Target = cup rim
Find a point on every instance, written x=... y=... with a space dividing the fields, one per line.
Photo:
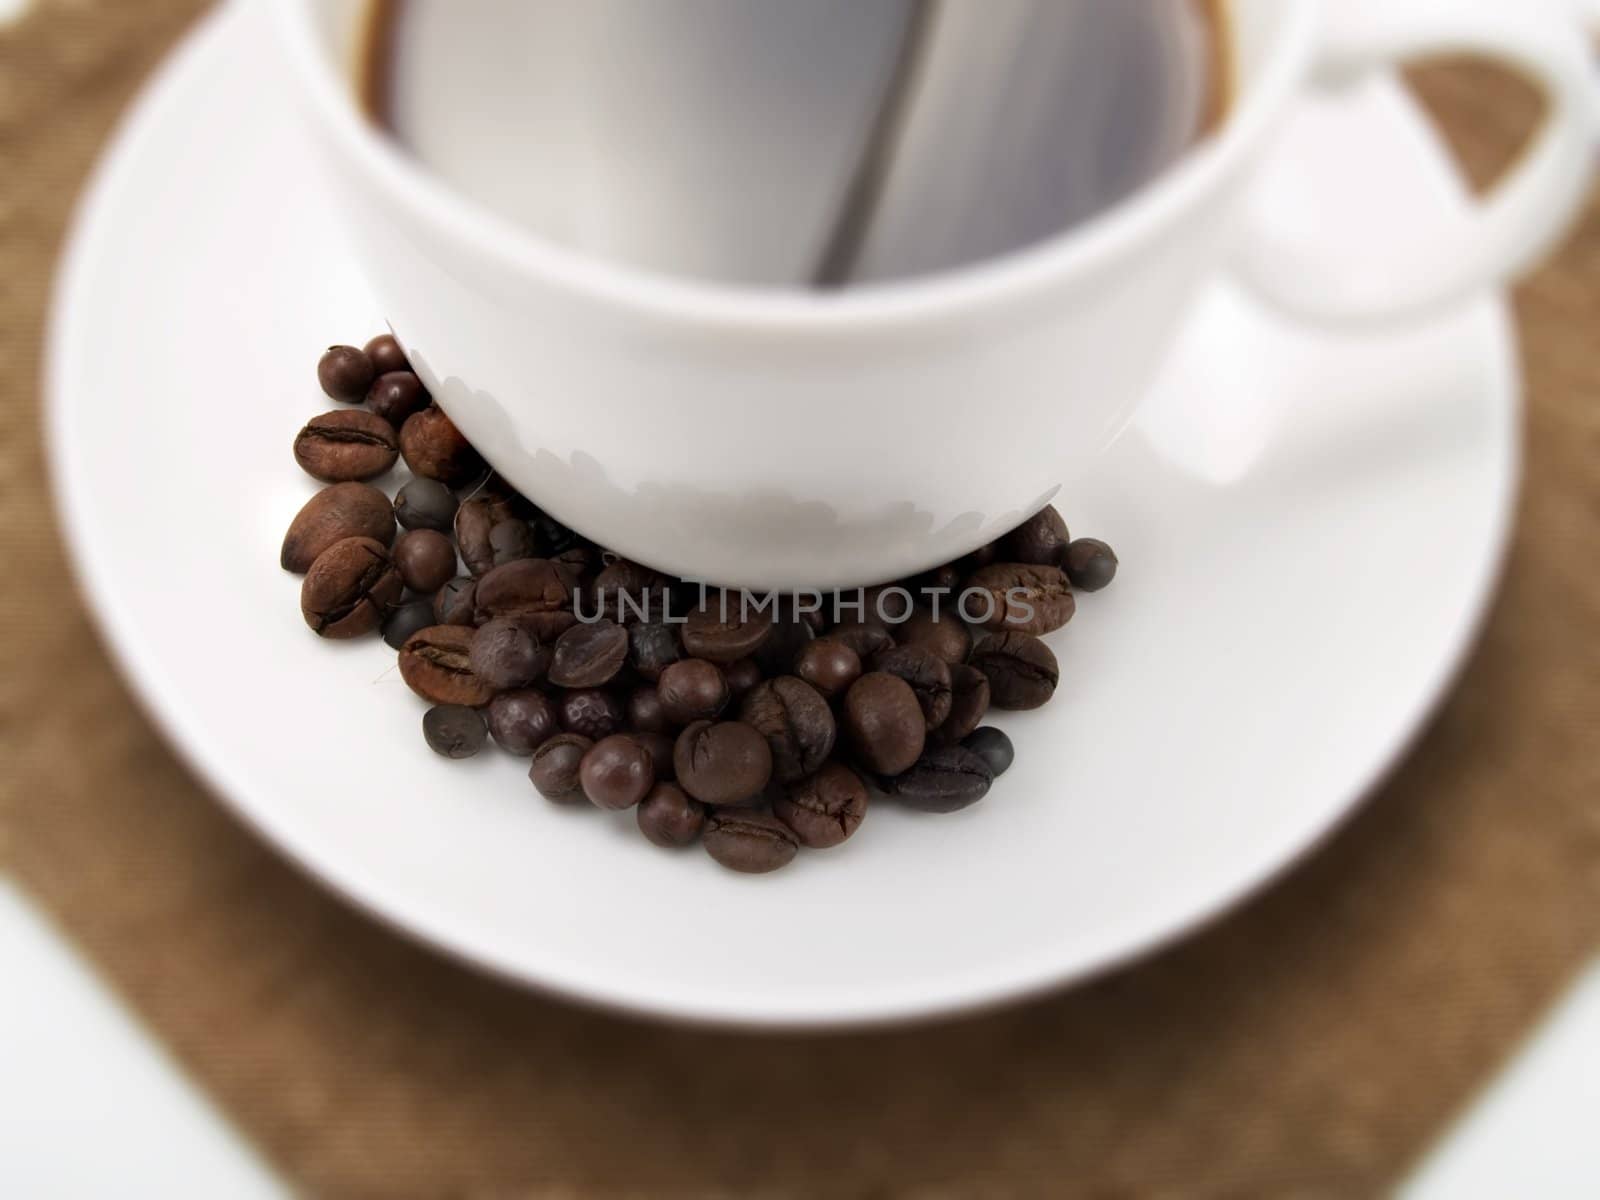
x=952 y=293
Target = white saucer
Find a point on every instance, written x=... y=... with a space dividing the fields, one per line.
x=1309 y=530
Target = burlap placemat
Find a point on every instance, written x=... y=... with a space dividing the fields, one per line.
x=1310 y=1045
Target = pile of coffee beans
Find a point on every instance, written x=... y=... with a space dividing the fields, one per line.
x=755 y=725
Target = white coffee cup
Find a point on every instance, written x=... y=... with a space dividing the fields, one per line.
x=780 y=439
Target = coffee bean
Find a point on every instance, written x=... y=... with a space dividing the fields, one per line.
x=506 y=654
x=978 y=559
x=349 y=588
x=659 y=747
x=692 y=689
x=578 y=561
x=742 y=674
x=534 y=590
x=791 y=633
x=945 y=580
x=1091 y=564
x=669 y=818
x=928 y=675
x=346 y=444
x=823 y=809
x=554 y=537
x=1022 y=671
x=456 y=602
x=511 y=540
x=628 y=593
x=888 y=604
x=523 y=720
x=1040 y=540
x=385 y=354
x=1024 y=599
x=436 y=665
x=425 y=504
x=341 y=511
x=969 y=702
x=720 y=631
x=555 y=768
x=426 y=559
x=946 y=635
x=592 y=712
x=865 y=637
x=406 y=619
x=475 y=522
x=884 y=722
x=828 y=665
x=395 y=396
x=994 y=747
x=345 y=373
x=589 y=655
x=750 y=841
x=454 y=730
x=645 y=711
x=797 y=723
x=722 y=763
x=945 y=779
x=652 y=647
x=616 y=773
x=434 y=448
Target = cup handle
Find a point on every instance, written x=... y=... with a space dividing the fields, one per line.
x=1506 y=232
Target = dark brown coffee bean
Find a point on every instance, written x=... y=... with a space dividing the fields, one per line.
x=749 y=840
x=692 y=689
x=506 y=654
x=994 y=747
x=978 y=559
x=522 y=721
x=1022 y=671
x=884 y=722
x=434 y=448
x=797 y=723
x=456 y=602
x=396 y=395
x=1091 y=564
x=669 y=818
x=534 y=590
x=723 y=763
x=454 y=730
x=349 y=588
x=511 y=540
x=589 y=655
x=865 y=637
x=824 y=809
x=828 y=665
x=555 y=767
x=1022 y=598
x=888 y=604
x=645 y=711
x=791 y=633
x=945 y=580
x=345 y=373
x=928 y=675
x=659 y=747
x=742 y=675
x=592 y=712
x=341 y=511
x=426 y=559
x=425 y=504
x=1040 y=540
x=475 y=521
x=385 y=354
x=721 y=631
x=945 y=779
x=346 y=444
x=627 y=593
x=406 y=619
x=969 y=703
x=436 y=665
x=946 y=635
x=616 y=773
x=652 y=647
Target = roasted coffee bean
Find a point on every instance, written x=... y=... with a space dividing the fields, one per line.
x=797 y=723
x=791 y=633
x=888 y=604
x=1040 y=540
x=554 y=537
x=722 y=763
x=645 y=711
x=341 y=511
x=475 y=522
x=510 y=540
x=425 y=504
x=522 y=721
x=828 y=665
x=434 y=448
x=749 y=840
x=669 y=818
x=349 y=588
x=506 y=654
x=823 y=809
x=652 y=647
x=945 y=581
x=406 y=619
x=1023 y=598
x=946 y=635
x=865 y=637
x=978 y=559
x=436 y=665
x=742 y=675
x=722 y=629
x=577 y=560
x=1091 y=564
x=555 y=767
x=385 y=354
x=345 y=373
x=945 y=779
x=1022 y=670
x=969 y=702
x=456 y=602
x=592 y=712
x=659 y=747
x=884 y=722
x=396 y=396
x=589 y=655
x=628 y=593
x=994 y=747
x=454 y=730
x=692 y=689
x=426 y=559
x=616 y=773
x=346 y=444
x=534 y=590
x=928 y=675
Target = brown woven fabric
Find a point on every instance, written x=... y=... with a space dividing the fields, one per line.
x=1311 y=1045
